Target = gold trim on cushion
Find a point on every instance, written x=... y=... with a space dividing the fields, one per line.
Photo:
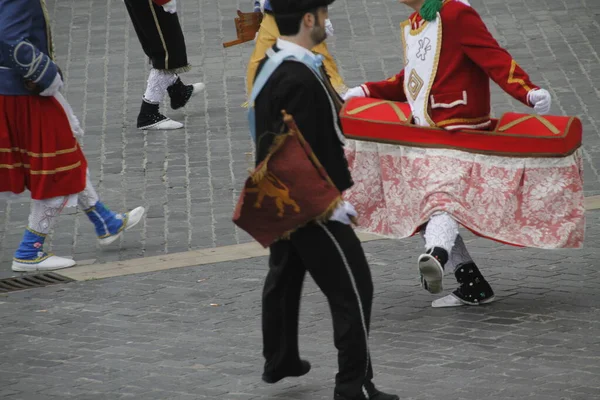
x=461 y=148
x=470 y=121
x=543 y=120
x=399 y=113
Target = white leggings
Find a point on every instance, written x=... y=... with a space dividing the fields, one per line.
x=158 y=82
x=442 y=231
x=44 y=212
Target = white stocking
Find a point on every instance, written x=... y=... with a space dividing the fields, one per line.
x=44 y=213
x=158 y=82
x=88 y=198
x=441 y=231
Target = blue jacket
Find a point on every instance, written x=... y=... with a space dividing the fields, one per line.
x=25 y=47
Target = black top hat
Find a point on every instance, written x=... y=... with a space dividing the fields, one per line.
x=290 y=7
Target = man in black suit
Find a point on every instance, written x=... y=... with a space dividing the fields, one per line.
x=331 y=252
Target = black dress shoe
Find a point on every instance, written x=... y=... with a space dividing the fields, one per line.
x=370 y=393
x=276 y=376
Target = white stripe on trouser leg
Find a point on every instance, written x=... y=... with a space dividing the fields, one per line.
x=355 y=288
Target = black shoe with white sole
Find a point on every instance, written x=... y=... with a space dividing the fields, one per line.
x=150 y=118
x=431 y=268
x=473 y=290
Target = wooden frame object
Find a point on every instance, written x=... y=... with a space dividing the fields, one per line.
x=246 y=26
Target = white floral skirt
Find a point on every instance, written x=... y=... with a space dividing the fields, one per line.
x=530 y=202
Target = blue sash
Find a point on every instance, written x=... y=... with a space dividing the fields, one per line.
x=274 y=60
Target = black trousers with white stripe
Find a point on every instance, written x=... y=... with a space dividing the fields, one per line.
x=333 y=255
x=160 y=35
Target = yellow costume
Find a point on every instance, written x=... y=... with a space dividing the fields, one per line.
x=267 y=36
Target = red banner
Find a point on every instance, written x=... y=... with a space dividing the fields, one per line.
x=288 y=190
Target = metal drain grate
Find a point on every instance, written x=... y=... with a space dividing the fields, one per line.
x=32 y=281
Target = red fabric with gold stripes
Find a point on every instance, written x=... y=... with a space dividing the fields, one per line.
x=38 y=151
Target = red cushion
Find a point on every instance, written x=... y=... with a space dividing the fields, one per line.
x=517 y=135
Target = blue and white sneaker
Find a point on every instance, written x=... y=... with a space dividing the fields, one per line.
x=31 y=257
x=110 y=225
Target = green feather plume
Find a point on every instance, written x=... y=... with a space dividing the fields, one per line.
x=430 y=8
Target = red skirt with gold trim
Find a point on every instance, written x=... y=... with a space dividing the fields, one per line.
x=38 y=151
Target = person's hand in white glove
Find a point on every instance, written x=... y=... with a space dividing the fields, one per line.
x=54 y=87
x=541 y=100
x=170 y=7
x=344 y=213
x=328 y=27
x=357 y=91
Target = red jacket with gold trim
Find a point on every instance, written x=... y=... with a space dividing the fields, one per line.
x=469 y=57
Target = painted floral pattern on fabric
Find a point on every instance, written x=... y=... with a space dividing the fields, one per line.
x=530 y=202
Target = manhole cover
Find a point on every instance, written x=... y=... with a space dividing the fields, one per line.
x=32 y=281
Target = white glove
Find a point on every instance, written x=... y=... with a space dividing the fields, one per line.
x=343 y=213
x=170 y=7
x=540 y=100
x=54 y=87
x=357 y=91
x=328 y=27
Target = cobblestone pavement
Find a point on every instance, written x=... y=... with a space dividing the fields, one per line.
x=194 y=333
x=189 y=178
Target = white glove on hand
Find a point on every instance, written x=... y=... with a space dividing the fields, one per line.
x=343 y=213
x=357 y=91
x=170 y=7
x=540 y=100
x=54 y=87
x=328 y=27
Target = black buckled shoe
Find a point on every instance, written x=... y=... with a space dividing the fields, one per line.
x=180 y=94
x=473 y=290
x=275 y=376
x=431 y=267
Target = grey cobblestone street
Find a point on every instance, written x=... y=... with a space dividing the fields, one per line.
x=189 y=178
x=194 y=332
